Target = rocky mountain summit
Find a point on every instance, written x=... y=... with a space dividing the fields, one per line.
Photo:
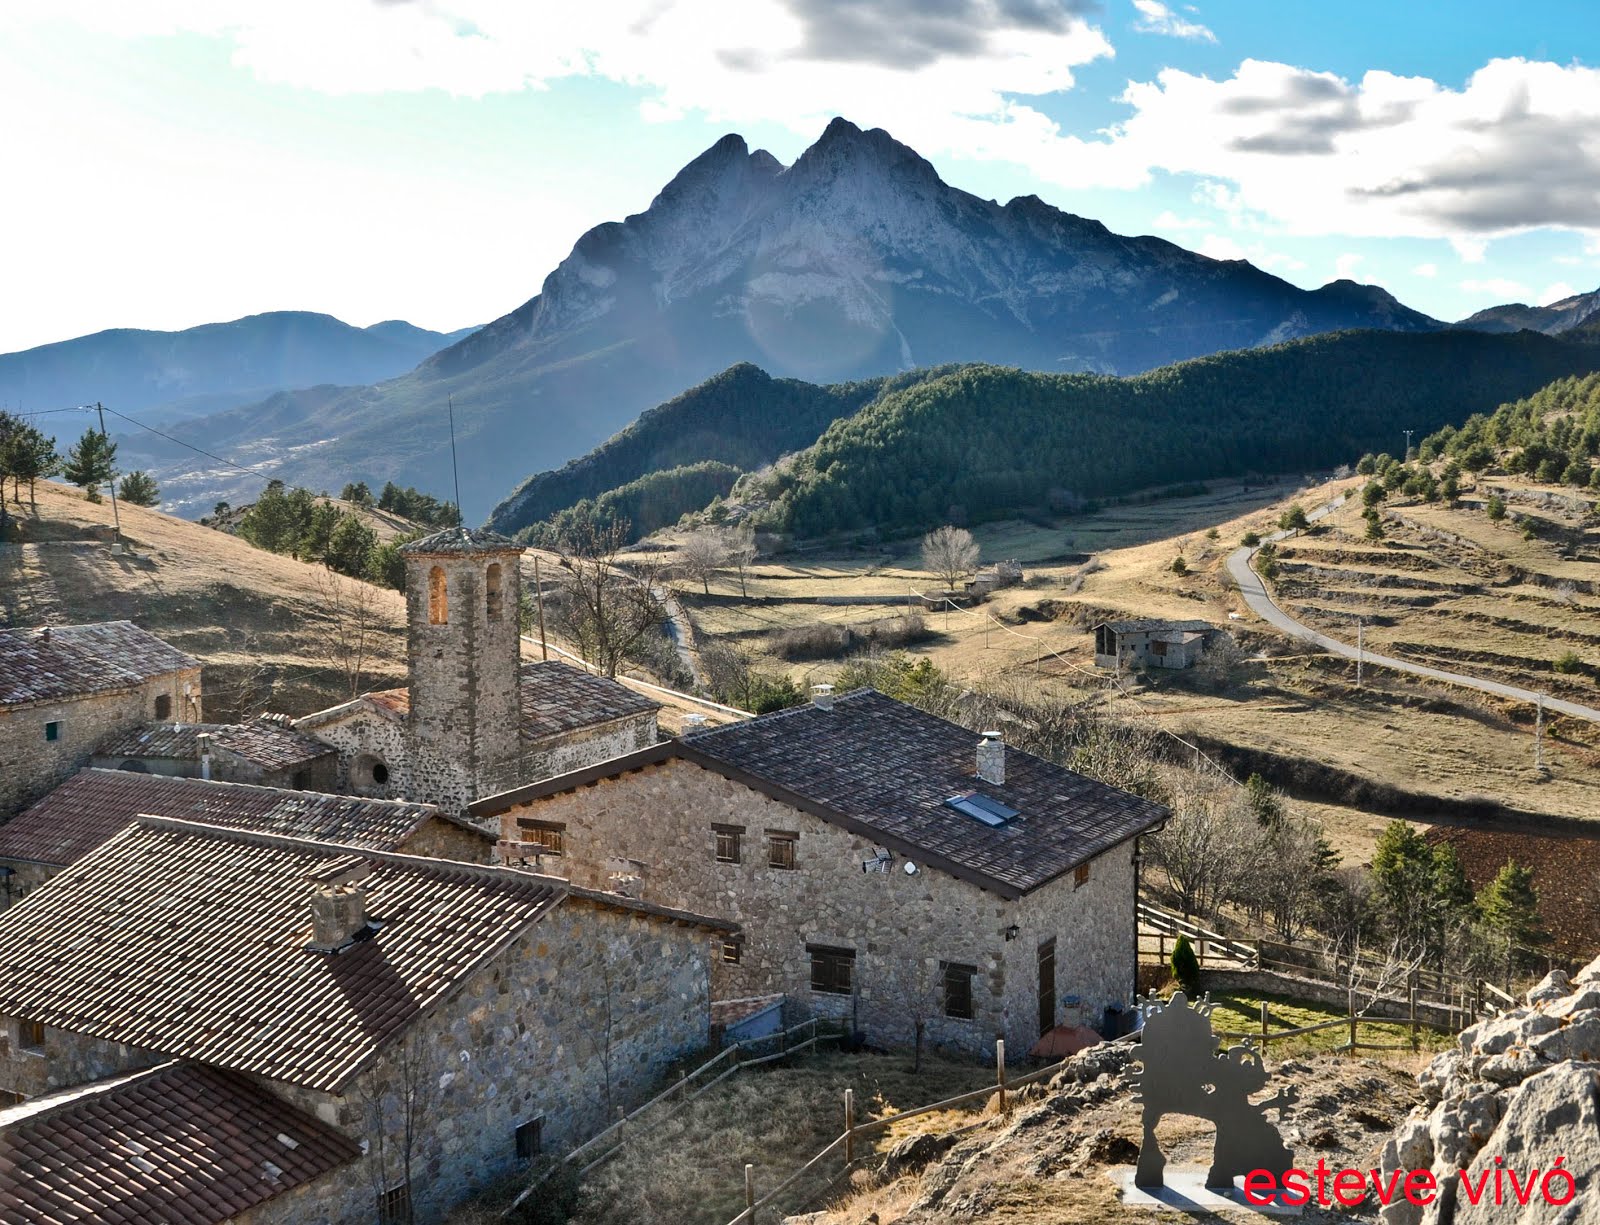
x=1521 y=1093
x=857 y=260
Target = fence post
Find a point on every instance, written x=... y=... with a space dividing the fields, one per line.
x=1352 y=1004
x=749 y=1194
x=683 y=1085
x=849 y=1127
x=1413 y=1008
x=1263 y=1025
x=1000 y=1072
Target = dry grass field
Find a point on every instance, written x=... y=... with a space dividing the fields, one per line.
x=1432 y=746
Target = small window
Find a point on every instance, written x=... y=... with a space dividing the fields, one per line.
x=729 y=840
x=394 y=1205
x=548 y=836
x=52 y=730
x=30 y=1035
x=530 y=1139
x=1080 y=876
x=163 y=706
x=438 y=597
x=380 y=773
x=732 y=951
x=780 y=849
x=833 y=971
x=958 y=990
x=491 y=587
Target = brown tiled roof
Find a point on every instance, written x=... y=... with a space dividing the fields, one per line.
x=262 y=742
x=556 y=698
x=884 y=769
x=462 y=540
x=179 y=1142
x=191 y=941
x=93 y=805
x=78 y=660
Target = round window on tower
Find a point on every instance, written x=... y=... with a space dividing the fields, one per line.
x=369 y=773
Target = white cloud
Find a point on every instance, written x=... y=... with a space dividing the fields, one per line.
x=1170 y=220
x=1220 y=246
x=1469 y=250
x=1427 y=270
x=1157 y=18
x=1500 y=288
x=1555 y=293
x=1344 y=267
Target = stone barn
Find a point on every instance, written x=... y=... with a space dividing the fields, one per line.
x=65 y=688
x=1151 y=643
x=887 y=867
x=379 y=1035
x=474 y=719
x=266 y=751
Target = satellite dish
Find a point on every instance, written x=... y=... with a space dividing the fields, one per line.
x=911 y=868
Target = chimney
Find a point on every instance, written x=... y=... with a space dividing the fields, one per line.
x=44 y=636
x=338 y=904
x=992 y=759
x=822 y=697
x=693 y=723
x=205 y=753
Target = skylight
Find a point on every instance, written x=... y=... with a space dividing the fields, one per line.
x=982 y=808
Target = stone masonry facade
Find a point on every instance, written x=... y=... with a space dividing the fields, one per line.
x=580 y=1016
x=35 y=763
x=662 y=822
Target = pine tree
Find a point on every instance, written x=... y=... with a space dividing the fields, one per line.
x=1186 y=966
x=90 y=462
x=140 y=489
x=350 y=547
x=26 y=454
x=1510 y=908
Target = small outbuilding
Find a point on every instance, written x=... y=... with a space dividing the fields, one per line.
x=1152 y=642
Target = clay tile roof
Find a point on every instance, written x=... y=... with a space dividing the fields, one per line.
x=454 y=540
x=179 y=1142
x=262 y=742
x=886 y=769
x=191 y=941
x=556 y=698
x=78 y=660
x=93 y=805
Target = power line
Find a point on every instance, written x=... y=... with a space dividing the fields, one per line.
x=221 y=459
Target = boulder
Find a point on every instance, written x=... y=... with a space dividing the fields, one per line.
x=1551 y=987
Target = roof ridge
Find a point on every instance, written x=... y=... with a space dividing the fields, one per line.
x=73 y=1095
x=429 y=864
x=178 y=780
x=773 y=716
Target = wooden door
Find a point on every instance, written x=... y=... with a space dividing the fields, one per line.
x=1047 y=986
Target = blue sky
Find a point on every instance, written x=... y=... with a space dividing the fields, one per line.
x=174 y=162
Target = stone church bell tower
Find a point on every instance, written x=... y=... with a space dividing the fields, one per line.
x=463 y=594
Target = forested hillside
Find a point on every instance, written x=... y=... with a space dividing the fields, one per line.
x=691 y=447
x=1551 y=435
x=985 y=442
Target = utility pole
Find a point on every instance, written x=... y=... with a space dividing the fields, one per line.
x=538 y=596
x=1361 y=626
x=116 y=518
x=1408 y=434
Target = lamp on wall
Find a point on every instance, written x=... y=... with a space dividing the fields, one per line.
x=1011 y=933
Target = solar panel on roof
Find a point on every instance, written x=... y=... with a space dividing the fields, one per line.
x=990 y=812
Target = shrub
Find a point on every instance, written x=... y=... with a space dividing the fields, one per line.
x=821 y=641
x=1495 y=508
x=1294 y=519
x=1179 y=566
x=1250 y=539
x=1186 y=966
x=1568 y=663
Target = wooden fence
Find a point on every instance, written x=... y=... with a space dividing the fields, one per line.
x=843 y=1147
x=1351 y=1022
x=604 y=1145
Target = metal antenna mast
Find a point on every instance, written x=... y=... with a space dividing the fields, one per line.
x=455 y=471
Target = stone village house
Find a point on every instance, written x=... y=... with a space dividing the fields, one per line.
x=91 y=806
x=886 y=867
x=243 y=1027
x=65 y=688
x=264 y=750
x=474 y=719
x=1151 y=643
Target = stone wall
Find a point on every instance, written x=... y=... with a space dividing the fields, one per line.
x=25 y=877
x=65 y=1060
x=575 y=750
x=362 y=738
x=34 y=765
x=580 y=1016
x=441 y=839
x=901 y=927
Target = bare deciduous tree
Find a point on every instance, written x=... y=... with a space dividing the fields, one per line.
x=604 y=609
x=949 y=554
x=1208 y=845
x=741 y=545
x=350 y=610
x=398 y=1104
x=702 y=554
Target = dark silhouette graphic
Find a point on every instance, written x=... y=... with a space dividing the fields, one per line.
x=1183 y=1074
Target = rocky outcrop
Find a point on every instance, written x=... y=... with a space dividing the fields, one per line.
x=1520 y=1094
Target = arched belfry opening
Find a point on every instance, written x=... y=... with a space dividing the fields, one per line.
x=438 y=597
x=493 y=598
